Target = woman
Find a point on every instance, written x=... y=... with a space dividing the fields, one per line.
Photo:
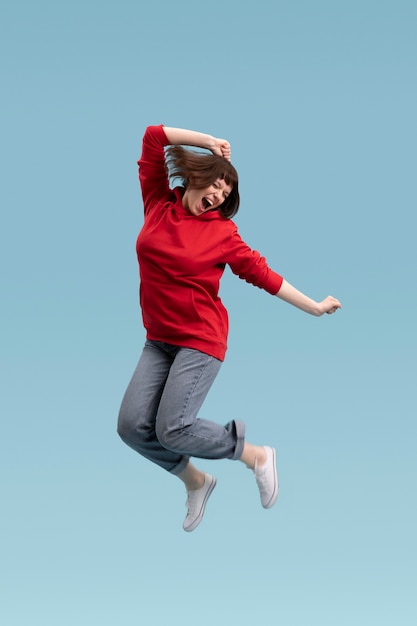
x=186 y=241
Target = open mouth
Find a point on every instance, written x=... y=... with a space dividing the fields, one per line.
x=206 y=203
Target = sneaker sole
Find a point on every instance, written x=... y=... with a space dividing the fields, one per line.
x=274 y=496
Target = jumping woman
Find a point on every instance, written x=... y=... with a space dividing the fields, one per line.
x=187 y=239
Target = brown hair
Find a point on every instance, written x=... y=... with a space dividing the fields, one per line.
x=198 y=170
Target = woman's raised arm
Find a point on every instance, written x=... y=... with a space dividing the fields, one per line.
x=181 y=136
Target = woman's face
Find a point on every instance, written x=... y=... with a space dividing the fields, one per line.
x=198 y=201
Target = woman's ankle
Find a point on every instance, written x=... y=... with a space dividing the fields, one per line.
x=192 y=477
x=252 y=455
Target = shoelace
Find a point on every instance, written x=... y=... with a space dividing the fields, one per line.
x=190 y=503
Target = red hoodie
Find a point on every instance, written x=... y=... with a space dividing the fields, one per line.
x=182 y=258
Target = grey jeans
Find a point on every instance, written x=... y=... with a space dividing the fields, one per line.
x=158 y=415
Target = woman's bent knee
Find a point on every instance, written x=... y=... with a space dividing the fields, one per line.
x=133 y=430
x=124 y=427
x=127 y=424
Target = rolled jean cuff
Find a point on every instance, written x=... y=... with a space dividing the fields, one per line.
x=180 y=466
x=240 y=429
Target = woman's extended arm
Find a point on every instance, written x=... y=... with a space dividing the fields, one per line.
x=181 y=136
x=290 y=294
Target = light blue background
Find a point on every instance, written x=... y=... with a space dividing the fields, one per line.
x=318 y=99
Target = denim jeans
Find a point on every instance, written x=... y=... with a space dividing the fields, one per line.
x=158 y=415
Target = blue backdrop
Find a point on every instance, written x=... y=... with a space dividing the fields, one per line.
x=318 y=100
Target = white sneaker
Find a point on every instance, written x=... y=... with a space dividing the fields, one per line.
x=267 y=478
x=196 y=503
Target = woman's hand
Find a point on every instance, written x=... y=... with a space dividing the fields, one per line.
x=329 y=305
x=221 y=147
